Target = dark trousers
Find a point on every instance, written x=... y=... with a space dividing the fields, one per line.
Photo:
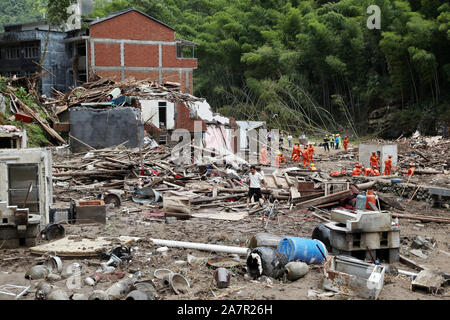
x=256 y=192
x=326 y=146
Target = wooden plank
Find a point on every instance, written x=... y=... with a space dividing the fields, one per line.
x=422 y=218
x=294 y=193
x=324 y=199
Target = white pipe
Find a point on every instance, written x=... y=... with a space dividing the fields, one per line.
x=201 y=246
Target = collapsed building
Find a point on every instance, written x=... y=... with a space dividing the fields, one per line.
x=125 y=44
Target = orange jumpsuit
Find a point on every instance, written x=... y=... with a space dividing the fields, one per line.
x=368 y=172
x=387 y=167
x=374 y=161
x=311 y=154
x=305 y=154
x=296 y=153
x=280 y=159
x=356 y=171
x=345 y=143
x=263 y=158
x=410 y=171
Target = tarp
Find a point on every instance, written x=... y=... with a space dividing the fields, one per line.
x=218 y=137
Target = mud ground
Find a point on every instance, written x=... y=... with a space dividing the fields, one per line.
x=300 y=223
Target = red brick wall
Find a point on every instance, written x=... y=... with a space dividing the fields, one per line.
x=132 y=25
x=107 y=54
x=135 y=26
x=137 y=55
x=170 y=59
x=183 y=121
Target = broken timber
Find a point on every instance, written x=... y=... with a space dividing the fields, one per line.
x=325 y=199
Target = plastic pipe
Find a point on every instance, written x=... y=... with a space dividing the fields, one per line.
x=201 y=246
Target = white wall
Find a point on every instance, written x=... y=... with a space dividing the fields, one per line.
x=150 y=109
x=43 y=158
x=365 y=151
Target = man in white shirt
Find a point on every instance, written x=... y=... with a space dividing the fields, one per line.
x=290 y=140
x=255 y=179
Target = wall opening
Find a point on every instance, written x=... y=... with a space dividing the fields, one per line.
x=7 y=143
x=20 y=176
x=162 y=114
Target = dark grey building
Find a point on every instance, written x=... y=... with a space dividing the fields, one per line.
x=63 y=55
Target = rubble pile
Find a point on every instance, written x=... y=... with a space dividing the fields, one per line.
x=98 y=92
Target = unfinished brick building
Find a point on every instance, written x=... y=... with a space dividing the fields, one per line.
x=130 y=43
x=125 y=44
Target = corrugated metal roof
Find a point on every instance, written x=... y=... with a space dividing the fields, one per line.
x=118 y=13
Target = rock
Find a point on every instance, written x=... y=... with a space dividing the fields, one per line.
x=120 y=289
x=419 y=225
x=138 y=295
x=170 y=220
x=57 y=294
x=418 y=242
x=312 y=293
x=391 y=270
x=180 y=262
x=78 y=296
x=162 y=249
x=89 y=281
x=37 y=272
x=296 y=270
x=42 y=289
x=53 y=277
x=98 y=295
x=418 y=253
x=265 y=279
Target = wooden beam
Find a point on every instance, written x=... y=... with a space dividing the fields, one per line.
x=422 y=218
x=325 y=199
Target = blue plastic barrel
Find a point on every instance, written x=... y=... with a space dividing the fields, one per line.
x=361 y=200
x=302 y=249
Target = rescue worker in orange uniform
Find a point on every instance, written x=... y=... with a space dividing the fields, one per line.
x=280 y=159
x=311 y=153
x=374 y=160
x=368 y=172
x=263 y=157
x=357 y=170
x=305 y=155
x=296 y=152
x=346 y=143
x=410 y=170
x=388 y=166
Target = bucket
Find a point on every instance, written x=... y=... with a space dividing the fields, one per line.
x=361 y=200
x=306 y=250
